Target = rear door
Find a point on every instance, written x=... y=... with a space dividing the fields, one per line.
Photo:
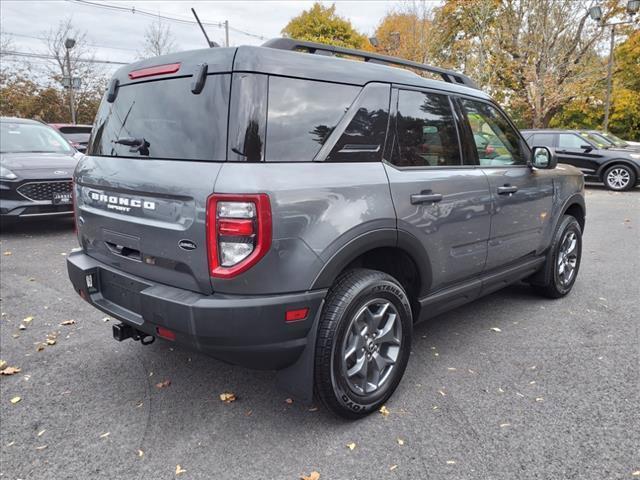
x=521 y=197
x=440 y=201
x=154 y=156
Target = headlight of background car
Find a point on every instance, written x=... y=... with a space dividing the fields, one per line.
x=7 y=174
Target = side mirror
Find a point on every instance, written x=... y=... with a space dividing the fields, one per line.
x=586 y=148
x=544 y=158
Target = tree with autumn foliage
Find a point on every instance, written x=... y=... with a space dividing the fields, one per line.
x=405 y=32
x=321 y=24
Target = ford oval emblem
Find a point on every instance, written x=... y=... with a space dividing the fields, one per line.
x=187 y=245
x=60 y=172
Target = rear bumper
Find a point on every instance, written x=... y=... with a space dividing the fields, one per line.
x=245 y=330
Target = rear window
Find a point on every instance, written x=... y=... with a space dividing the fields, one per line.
x=164 y=119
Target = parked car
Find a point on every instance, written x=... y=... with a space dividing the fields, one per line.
x=284 y=210
x=78 y=135
x=36 y=166
x=618 y=169
x=611 y=141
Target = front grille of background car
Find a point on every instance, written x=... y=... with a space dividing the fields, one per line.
x=41 y=191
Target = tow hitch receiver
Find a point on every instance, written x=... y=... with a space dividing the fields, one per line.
x=122 y=332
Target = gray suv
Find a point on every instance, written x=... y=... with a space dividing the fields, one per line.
x=279 y=207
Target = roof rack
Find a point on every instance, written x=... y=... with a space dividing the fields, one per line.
x=322 y=49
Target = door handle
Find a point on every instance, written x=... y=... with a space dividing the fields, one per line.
x=425 y=198
x=507 y=190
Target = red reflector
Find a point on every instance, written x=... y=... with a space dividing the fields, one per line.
x=165 y=333
x=82 y=294
x=295 y=315
x=157 y=70
x=235 y=227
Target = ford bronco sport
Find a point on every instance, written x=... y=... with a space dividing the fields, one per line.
x=280 y=207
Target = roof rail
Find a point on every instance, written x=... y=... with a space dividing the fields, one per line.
x=322 y=49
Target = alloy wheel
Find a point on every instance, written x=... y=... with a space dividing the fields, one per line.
x=371 y=346
x=567 y=258
x=618 y=178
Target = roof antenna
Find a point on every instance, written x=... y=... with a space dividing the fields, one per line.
x=209 y=42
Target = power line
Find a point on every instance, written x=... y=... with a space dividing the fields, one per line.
x=163 y=16
x=13 y=53
x=88 y=44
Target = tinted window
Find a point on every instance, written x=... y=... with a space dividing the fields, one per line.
x=497 y=142
x=174 y=122
x=248 y=121
x=363 y=139
x=302 y=114
x=31 y=137
x=75 y=129
x=570 y=140
x=541 y=140
x=425 y=131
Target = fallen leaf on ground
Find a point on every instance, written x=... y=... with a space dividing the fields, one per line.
x=451 y=462
x=22 y=327
x=179 y=470
x=7 y=253
x=495 y=329
x=351 y=446
x=313 y=409
x=452 y=369
x=400 y=442
x=27 y=320
x=2 y=364
x=15 y=399
x=140 y=453
x=41 y=432
x=503 y=425
x=40 y=347
x=636 y=473
x=288 y=401
x=68 y=322
x=10 y=444
x=41 y=447
x=393 y=467
x=9 y=371
x=228 y=397
x=51 y=341
x=106 y=319
x=105 y=435
x=163 y=384
x=539 y=399
x=384 y=411
x=312 y=476
x=441 y=392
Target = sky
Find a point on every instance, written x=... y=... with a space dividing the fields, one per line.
x=117 y=35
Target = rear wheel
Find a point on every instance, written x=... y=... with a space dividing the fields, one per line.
x=563 y=259
x=364 y=341
x=619 y=177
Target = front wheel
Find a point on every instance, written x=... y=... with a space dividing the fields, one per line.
x=364 y=341
x=563 y=259
x=619 y=178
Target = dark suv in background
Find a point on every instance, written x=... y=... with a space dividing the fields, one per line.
x=283 y=210
x=617 y=168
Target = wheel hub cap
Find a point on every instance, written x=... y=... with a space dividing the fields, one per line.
x=371 y=346
x=618 y=178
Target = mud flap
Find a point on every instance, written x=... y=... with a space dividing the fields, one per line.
x=297 y=379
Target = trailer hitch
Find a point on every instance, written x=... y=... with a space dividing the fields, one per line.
x=122 y=331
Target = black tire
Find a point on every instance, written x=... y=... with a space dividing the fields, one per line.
x=619 y=178
x=351 y=296
x=553 y=284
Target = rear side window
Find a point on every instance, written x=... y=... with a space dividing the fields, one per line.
x=425 y=131
x=164 y=119
x=541 y=140
x=301 y=116
x=571 y=141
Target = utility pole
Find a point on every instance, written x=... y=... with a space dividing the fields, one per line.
x=69 y=43
x=607 y=106
x=226 y=33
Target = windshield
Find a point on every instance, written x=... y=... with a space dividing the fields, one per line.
x=28 y=137
x=597 y=140
x=618 y=142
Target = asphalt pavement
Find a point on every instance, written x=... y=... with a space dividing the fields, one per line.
x=554 y=394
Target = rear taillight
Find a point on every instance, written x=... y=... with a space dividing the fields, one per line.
x=238 y=232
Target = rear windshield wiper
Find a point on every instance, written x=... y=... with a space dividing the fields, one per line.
x=139 y=145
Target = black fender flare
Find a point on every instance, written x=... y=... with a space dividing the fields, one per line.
x=575 y=199
x=602 y=168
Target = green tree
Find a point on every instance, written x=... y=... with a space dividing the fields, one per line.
x=321 y=24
